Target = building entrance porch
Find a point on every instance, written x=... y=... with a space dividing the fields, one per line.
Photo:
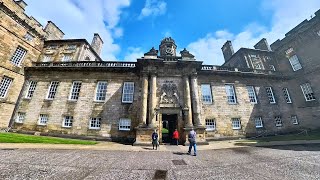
x=167 y=127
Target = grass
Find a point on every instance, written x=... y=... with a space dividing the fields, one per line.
x=22 y=138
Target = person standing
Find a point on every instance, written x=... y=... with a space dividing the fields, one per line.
x=175 y=137
x=155 y=141
x=192 y=142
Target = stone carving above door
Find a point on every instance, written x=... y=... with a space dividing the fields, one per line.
x=169 y=93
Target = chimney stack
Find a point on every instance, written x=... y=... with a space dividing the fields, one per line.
x=97 y=43
x=263 y=45
x=22 y=4
x=227 y=50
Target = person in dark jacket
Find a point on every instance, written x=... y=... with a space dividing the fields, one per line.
x=155 y=141
x=192 y=142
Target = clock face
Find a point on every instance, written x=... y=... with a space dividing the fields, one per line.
x=169 y=51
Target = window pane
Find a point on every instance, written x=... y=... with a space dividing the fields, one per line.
x=252 y=94
x=286 y=95
x=101 y=91
x=236 y=124
x=128 y=91
x=295 y=63
x=18 y=56
x=75 y=91
x=206 y=94
x=52 y=89
x=124 y=124
x=32 y=88
x=307 y=92
x=270 y=95
x=231 y=96
x=4 y=86
x=210 y=124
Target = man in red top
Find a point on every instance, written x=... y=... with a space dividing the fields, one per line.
x=175 y=137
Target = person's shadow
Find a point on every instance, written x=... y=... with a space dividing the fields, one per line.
x=180 y=153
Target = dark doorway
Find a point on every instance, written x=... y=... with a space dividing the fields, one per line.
x=169 y=124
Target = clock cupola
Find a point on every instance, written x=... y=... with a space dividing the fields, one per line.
x=167 y=47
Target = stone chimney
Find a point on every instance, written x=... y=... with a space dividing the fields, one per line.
x=263 y=45
x=97 y=43
x=53 y=31
x=22 y=4
x=227 y=50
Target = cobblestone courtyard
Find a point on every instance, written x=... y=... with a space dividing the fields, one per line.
x=277 y=162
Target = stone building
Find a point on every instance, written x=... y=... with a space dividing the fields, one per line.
x=267 y=90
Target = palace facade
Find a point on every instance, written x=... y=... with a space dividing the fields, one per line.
x=62 y=86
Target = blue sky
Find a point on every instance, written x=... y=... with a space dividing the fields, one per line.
x=130 y=28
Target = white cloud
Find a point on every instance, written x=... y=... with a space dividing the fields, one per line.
x=133 y=53
x=286 y=15
x=81 y=19
x=153 y=8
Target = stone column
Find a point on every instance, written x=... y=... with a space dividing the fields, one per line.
x=152 y=100
x=195 y=100
x=143 y=119
x=187 y=102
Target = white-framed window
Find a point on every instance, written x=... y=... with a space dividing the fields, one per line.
x=31 y=89
x=206 y=93
x=66 y=57
x=52 y=89
x=67 y=121
x=231 y=95
x=75 y=90
x=294 y=120
x=47 y=58
x=71 y=47
x=252 y=94
x=95 y=123
x=295 y=63
x=286 y=95
x=236 y=123
x=258 y=122
x=278 y=121
x=4 y=86
x=43 y=119
x=211 y=124
x=127 y=92
x=307 y=92
x=270 y=95
x=272 y=68
x=20 y=117
x=28 y=37
x=101 y=91
x=18 y=56
x=124 y=124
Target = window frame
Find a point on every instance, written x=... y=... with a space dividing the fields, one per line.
x=74 y=95
x=286 y=95
x=233 y=120
x=68 y=124
x=41 y=118
x=270 y=95
x=272 y=67
x=31 y=89
x=294 y=120
x=64 y=58
x=20 y=117
x=7 y=86
x=277 y=120
x=292 y=59
x=20 y=55
x=210 y=124
x=53 y=85
x=229 y=95
x=104 y=93
x=97 y=123
x=260 y=124
x=252 y=93
x=123 y=124
x=310 y=92
x=123 y=92
x=205 y=100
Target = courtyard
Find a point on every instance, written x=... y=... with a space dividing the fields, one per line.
x=172 y=162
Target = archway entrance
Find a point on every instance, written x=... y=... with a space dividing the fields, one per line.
x=169 y=124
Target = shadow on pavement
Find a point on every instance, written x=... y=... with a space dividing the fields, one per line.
x=301 y=147
x=180 y=153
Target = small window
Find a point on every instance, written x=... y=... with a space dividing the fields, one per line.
x=52 y=89
x=286 y=95
x=278 y=121
x=295 y=63
x=18 y=56
x=75 y=90
x=47 y=58
x=252 y=94
x=272 y=68
x=258 y=122
x=87 y=58
x=294 y=120
x=20 y=117
x=95 y=123
x=206 y=93
x=4 y=86
x=101 y=91
x=270 y=95
x=52 y=47
x=32 y=88
x=210 y=124
x=231 y=96
x=124 y=124
x=128 y=91
x=67 y=121
x=66 y=58
x=43 y=119
x=71 y=47
x=236 y=123
x=28 y=37
x=307 y=92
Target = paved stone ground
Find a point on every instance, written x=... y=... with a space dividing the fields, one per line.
x=276 y=162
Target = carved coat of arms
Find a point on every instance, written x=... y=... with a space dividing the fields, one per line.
x=169 y=93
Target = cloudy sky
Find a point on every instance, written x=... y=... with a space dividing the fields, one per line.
x=130 y=28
